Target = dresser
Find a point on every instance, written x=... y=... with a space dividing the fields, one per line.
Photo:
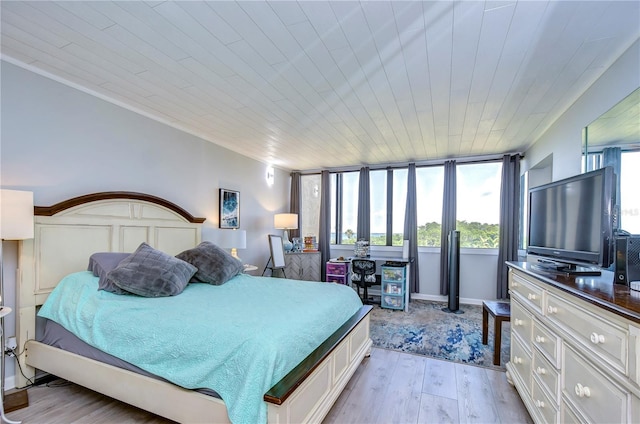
x=575 y=346
x=303 y=266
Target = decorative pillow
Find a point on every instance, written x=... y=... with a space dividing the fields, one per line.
x=101 y=263
x=215 y=265
x=151 y=273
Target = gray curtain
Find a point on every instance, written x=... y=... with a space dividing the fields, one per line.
x=295 y=199
x=364 y=205
x=509 y=221
x=448 y=222
x=324 y=242
x=612 y=156
x=411 y=229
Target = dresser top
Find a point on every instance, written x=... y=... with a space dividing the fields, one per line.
x=598 y=290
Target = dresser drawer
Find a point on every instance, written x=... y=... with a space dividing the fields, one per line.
x=548 y=343
x=521 y=322
x=548 y=376
x=336 y=268
x=531 y=294
x=545 y=408
x=567 y=416
x=521 y=361
x=601 y=337
x=591 y=393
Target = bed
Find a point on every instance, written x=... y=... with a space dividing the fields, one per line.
x=67 y=233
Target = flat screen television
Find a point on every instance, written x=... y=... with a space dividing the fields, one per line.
x=571 y=221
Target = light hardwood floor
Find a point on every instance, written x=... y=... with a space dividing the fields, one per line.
x=389 y=387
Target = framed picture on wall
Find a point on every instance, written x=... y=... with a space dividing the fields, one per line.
x=229 y=209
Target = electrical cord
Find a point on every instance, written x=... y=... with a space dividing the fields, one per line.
x=9 y=351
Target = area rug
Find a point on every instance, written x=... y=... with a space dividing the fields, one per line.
x=426 y=330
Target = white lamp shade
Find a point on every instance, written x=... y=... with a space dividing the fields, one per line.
x=285 y=221
x=232 y=239
x=16 y=209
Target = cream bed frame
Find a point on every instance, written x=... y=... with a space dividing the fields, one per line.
x=67 y=233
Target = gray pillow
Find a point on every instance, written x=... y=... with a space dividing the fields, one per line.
x=151 y=273
x=101 y=263
x=215 y=265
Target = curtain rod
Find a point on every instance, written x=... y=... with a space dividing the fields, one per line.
x=434 y=162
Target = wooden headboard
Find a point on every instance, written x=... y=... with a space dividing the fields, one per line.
x=67 y=233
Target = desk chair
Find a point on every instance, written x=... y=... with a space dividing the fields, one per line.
x=363 y=273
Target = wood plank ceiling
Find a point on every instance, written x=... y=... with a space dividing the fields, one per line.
x=321 y=84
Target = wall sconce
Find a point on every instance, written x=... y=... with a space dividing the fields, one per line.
x=271 y=175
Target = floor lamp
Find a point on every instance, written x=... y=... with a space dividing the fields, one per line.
x=16 y=223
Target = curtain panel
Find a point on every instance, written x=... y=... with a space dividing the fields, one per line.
x=509 y=221
x=411 y=229
x=612 y=156
x=363 y=230
x=296 y=201
x=324 y=242
x=448 y=222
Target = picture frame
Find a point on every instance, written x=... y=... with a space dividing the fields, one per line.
x=229 y=209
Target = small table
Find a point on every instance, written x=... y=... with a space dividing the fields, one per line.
x=249 y=268
x=500 y=311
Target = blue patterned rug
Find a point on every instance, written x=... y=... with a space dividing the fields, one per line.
x=427 y=330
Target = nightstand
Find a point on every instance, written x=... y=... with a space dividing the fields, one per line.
x=4 y=311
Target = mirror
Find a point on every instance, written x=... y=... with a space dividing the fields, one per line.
x=614 y=140
x=618 y=127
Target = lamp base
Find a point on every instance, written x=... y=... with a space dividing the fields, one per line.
x=286 y=243
x=234 y=253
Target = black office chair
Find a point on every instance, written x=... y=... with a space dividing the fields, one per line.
x=363 y=273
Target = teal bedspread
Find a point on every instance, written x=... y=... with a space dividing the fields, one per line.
x=238 y=339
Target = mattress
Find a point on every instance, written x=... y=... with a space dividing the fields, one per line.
x=55 y=335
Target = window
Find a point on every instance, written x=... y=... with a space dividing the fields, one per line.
x=478 y=204
x=378 y=198
x=629 y=199
x=398 y=206
x=429 y=189
x=310 y=196
x=478 y=189
x=346 y=196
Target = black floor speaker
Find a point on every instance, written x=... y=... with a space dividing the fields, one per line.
x=627 y=267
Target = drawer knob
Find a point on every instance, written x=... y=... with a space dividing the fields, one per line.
x=541 y=371
x=517 y=359
x=539 y=403
x=539 y=339
x=532 y=296
x=597 y=338
x=518 y=322
x=514 y=284
x=582 y=391
x=552 y=309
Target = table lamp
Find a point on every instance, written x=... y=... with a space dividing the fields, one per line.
x=16 y=223
x=286 y=222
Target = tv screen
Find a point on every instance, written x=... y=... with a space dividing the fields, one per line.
x=571 y=221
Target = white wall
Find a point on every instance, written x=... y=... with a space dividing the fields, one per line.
x=563 y=140
x=60 y=143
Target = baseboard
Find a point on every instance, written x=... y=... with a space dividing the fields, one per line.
x=15 y=399
x=439 y=298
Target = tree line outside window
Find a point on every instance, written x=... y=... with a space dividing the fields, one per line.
x=478 y=205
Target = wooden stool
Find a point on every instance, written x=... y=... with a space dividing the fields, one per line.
x=500 y=311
